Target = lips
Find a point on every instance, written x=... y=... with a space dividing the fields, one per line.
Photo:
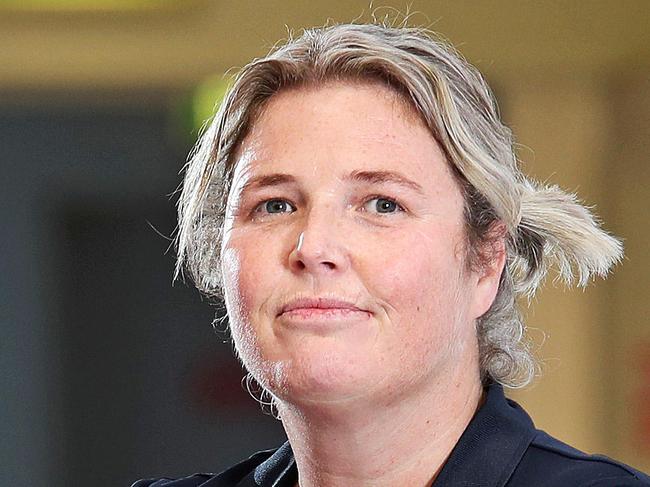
x=319 y=305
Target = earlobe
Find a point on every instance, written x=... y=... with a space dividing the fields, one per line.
x=491 y=269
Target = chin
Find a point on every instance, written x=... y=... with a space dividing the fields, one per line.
x=318 y=378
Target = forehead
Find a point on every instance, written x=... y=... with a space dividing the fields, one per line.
x=341 y=126
x=321 y=95
x=353 y=107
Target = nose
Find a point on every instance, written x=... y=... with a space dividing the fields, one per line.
x=319 y=247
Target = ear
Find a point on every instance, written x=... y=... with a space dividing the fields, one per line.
x=489 y=270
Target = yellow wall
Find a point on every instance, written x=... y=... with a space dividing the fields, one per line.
x=561 y=123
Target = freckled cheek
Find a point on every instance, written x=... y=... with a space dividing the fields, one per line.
x=238 y=279
x=241 y=291
x=416 y=280
x=251 y=277
x=409 y=274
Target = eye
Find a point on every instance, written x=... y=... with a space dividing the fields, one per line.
x=383 y=205
x=274 y=206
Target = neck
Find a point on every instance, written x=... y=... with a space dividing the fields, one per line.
x=381 y=442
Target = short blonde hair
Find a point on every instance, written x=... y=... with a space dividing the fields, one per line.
x=542 y=225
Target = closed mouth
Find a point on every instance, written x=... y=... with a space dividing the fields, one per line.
x=320 y=306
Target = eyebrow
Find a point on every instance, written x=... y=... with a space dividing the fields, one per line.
x=267 y=180
x=381 y=177
x=371 y=177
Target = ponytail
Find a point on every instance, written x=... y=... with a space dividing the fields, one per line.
x=555 y=230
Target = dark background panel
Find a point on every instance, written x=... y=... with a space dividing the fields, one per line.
x=133 y=378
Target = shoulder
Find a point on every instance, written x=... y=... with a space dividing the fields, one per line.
x=550 y=462
x=228 y=478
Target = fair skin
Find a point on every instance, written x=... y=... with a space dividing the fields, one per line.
x=347 y=286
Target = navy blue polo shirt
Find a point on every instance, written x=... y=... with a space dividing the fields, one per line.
x=499 y=448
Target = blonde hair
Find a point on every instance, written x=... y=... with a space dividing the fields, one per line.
x=542 y=226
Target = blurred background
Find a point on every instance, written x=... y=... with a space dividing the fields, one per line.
x=110 y=373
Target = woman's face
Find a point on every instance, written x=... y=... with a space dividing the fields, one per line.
x=343 y=253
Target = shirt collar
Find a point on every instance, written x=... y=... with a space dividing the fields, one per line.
x=492 y=445
x=279 y=470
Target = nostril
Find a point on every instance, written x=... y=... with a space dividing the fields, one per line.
x=301 y=264
x=316 y=252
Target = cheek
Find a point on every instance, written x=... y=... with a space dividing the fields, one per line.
x=418 y=283
x=416 y=273
x=243 y=264
x=250 y=279
x=234 y=283
x=237 y=284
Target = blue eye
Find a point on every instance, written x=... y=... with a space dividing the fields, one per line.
x=382 y=205
x=275 y=206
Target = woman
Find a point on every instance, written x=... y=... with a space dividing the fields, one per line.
x=357 y=204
